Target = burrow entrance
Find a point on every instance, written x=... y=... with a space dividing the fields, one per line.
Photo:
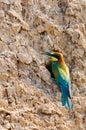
x=49 y=67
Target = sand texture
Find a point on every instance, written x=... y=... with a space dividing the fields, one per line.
x=29 y=97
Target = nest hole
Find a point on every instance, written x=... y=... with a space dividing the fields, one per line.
x=49 y=67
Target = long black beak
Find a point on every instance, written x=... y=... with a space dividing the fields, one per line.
x=48 y=53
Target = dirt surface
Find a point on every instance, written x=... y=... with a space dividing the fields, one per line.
x=29 y=98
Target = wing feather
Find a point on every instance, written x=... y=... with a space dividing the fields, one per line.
x=62 y=78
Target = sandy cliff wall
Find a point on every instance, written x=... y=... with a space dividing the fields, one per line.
x=29 y=98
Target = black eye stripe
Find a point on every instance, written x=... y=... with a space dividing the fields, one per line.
x=56 y=56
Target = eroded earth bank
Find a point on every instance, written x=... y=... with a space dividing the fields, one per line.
x=29 y=98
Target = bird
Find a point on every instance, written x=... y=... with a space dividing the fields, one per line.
x=62 y=77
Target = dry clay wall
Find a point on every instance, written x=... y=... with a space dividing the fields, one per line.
x=29 y=98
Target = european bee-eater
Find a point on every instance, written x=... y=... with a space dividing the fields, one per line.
x=62 y=77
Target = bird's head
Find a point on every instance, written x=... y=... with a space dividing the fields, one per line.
x=55 y=56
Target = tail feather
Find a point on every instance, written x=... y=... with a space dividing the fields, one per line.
x=66 y=102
